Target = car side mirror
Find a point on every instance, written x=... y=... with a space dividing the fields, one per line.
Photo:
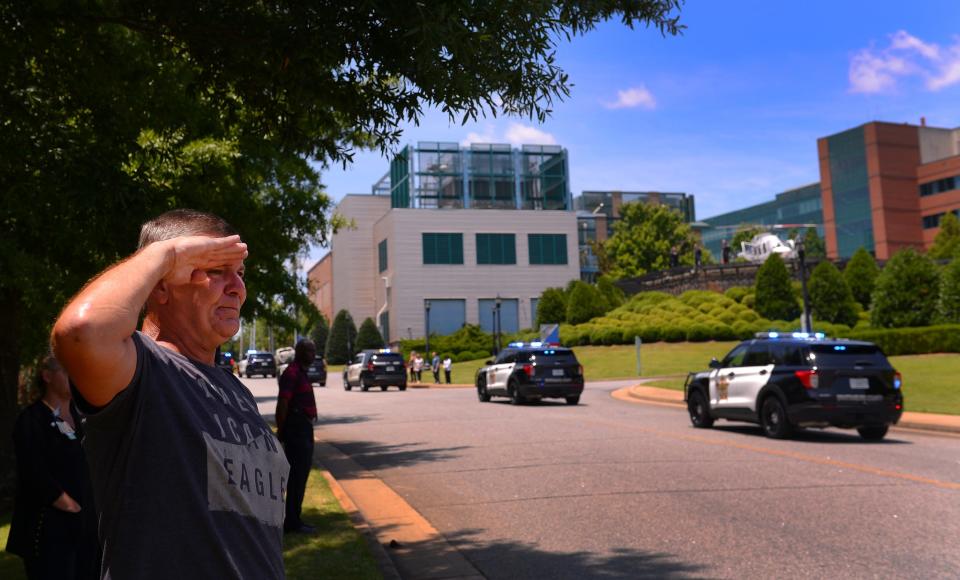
x=714 y=363
x=489 y=362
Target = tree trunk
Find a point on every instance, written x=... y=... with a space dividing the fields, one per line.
x=11 y=309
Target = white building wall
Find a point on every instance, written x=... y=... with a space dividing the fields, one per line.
x=355 y=256
x=412 y=281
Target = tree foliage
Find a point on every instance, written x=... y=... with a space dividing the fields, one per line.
x=830 y=297
x=643 y=237
x=946 y=245
x=906 y=291
x=342 y=342
x=584 y=302
x=613 y=295
x=114 y=112
x=552 y=306
x=319 y=333
x=775 y=298
x=814 y=246
x=861 y=274
x=948 y=306
x=369 y=336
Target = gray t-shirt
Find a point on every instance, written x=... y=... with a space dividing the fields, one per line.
x=188 y=478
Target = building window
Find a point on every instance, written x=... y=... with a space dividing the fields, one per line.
x=446 y=315
x=382 y=254
x=443 y=248
x=939 y=186
x=385 y=325
x=496 y=249
x=933 y=221
x=509 y=314
x=548 y=249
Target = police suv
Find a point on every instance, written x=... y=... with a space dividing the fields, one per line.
x=788 y=380
x=375 y=368
x=530 y=372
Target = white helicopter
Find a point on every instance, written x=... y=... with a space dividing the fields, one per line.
x=759 y=248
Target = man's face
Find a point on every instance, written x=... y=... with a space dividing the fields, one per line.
x=306 y=354
x=208 y=308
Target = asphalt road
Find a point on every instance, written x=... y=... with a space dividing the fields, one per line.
x=609 y=489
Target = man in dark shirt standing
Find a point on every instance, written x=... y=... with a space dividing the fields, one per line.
x=296 y=412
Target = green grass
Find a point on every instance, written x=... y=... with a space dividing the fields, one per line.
x=656 y=359
x=930 y=382
x=338 y=550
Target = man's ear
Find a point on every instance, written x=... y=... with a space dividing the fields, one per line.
x=160 y=293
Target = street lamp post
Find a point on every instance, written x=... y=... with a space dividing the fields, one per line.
x=426 y=308
x=496 y=322
x=806 y=324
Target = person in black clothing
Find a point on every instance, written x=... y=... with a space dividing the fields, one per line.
x=296 y=412
x=50 y=528
x=674 y=257
x=697 y=256
x=726 y=252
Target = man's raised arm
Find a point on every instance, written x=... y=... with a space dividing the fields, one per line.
x=92 y=337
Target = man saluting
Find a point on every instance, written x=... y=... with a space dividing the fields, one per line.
x=188 y=479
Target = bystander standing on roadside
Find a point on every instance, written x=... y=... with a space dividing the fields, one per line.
x=296 y=413
x=418 y=367
x=697 y=256
x=188 y=478
x=447 y=367
x=435 y=367
x=53 y=527
x=411 y=364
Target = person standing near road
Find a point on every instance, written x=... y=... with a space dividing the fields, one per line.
x=188 y=478
x=697 y=256
x=435 y=367
x=53 y=527
x=296 y=413
x=725 y=252
x=447 y=367
x=411 y=363
x=418 y=367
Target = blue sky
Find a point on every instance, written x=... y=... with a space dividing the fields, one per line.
x=730 y=111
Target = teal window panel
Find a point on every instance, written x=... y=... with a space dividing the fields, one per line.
x=382 y=255
x=498 y=249
x=547 y=249
x=442 y=248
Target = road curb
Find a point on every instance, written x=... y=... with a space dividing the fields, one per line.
x=641 y=393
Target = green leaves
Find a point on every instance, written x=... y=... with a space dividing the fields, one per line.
x=774 y=293
x=906 y=291
x=830 y=297
x=643 y=237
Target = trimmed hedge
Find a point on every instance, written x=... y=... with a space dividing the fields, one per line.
x=923 y=340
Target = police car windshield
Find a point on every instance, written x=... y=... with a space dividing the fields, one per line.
x=847 y=355
x=387 y=357
x=261 y=356
x=547 y=355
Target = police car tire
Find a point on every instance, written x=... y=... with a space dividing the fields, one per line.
x=873 y=432
x=403 y=387
x=573 y=399
x=773 y=418
x=515 y=397
x=482 y=393
x=699 y=411
x=346 y=382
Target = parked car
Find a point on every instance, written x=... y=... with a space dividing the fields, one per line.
x=530 y=372
x=785 y=381
x=317 y=372
x=376 y=368
x=260 y=363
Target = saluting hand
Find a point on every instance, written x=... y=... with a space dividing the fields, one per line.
x=194 y=255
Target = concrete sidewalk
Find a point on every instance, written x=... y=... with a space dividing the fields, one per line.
x=909 y=420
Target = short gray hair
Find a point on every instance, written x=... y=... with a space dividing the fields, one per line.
x=183 y=222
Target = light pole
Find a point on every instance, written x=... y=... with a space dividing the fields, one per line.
x=426 y=308
x=496 y=322
x=806 y=324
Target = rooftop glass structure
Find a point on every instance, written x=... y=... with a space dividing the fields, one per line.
x=436 y=175
x=795 y=206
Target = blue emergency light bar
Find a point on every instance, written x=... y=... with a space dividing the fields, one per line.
x=804 y=335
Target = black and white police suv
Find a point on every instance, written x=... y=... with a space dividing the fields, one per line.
x=787 y=380
x=530 y=372
x=375 y=368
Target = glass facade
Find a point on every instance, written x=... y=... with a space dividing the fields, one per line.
x=851 y=192
x=496 y=249
x=482 y=176
x=509 y=314
x=803 y=205
x=547 y=248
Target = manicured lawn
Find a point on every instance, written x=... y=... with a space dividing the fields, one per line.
x=336 y=551
x=656 y=359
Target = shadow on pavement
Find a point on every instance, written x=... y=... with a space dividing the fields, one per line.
x=832 y=436
x=374 y=456
x=323 y=419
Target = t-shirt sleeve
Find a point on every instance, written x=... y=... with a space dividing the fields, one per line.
x=122 y=398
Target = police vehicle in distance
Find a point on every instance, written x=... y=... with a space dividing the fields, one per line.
x=788 y=380
x=376 y=368
x=530 y=372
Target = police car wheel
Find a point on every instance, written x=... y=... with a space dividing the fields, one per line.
x=482 y=393
x=363 y=385
x=773 y=418
x=346 y=382
x=873 y=433
x=573 y=399
x=403 y=387
x=699 y=411
x=515 y=397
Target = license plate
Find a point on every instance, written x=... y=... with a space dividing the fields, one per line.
x=859 y=383
x=558 y=372
x=390 y=369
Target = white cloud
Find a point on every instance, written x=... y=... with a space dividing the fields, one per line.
x=634 y=97
x=878 y=71
x=515 y=134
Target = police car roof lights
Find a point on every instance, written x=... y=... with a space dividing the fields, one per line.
x=801 y=335
x=534 y=344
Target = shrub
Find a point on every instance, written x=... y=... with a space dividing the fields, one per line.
x=673 y=333
x=948 y=305
x=946 y=245
x=341 y=344
x=749 y=300
x=569 y=335
x=736 y=293
x=699 y=332
x=901 y=341
x=584 y=302
x=727 y=318
x=906 y=291
x=774 y=293
x=720 y=331
x=368 y=337
x=861 y=275
x=613 y=295
x=319 y=334
x=651 y=334
x=830 y=297
x=743 y=330
x=552 y=306
x=748 y=316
